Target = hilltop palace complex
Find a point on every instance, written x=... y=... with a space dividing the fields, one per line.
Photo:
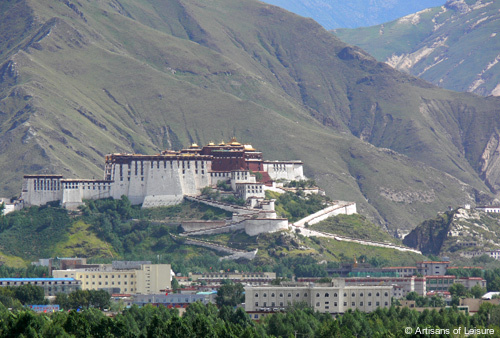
x=165 y=178
x=169 y=177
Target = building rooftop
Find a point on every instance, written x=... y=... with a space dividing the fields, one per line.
x=36 y=279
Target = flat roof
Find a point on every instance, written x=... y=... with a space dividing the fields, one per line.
x=36 y=279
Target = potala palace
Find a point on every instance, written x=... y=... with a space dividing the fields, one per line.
x=169 y=177
x=165 y=178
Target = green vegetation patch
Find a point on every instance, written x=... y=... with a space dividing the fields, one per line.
x=295 y=206
x=83 y=243
x=354 y=226
x=340 y=251
x=32 y=232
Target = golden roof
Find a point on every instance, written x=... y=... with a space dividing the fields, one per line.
x=194 y=145
x=234 y=142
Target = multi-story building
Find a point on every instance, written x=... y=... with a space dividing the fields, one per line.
x=250 y=278
x=137 y=279
x=51 y=286
x=328 y=298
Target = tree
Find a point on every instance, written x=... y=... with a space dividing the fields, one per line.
x=458 y=290
x=175 y=284
x=99 y=299
x=230 y=294
x=30 y=294
x=477 y=291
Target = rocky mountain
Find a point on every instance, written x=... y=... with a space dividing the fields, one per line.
x=80 y=79
x=456 y=46
x=355 y=13
x=456 y=233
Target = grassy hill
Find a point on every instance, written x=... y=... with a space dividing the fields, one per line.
x=79 y=80
x=456 y=46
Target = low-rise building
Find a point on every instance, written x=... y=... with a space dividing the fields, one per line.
x=51 y=286
x=61 y=263
x=251 y=278
x=175 y=299
x=325 y=298
x=491 y=209
x=470 y=282
x=401 y=271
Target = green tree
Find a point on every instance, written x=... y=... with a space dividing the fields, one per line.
x=30 y=294
x=477 y=291
x=175 y=284
x=458 y=290
x=100 y=299
x=230 y=294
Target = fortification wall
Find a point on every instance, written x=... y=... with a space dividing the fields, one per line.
x=220 y=205
x=256 y=226
x=201 y=225
x=345 y=208
x=246 y=255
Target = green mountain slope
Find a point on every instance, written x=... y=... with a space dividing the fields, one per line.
x=456 y=46
x=82 y=79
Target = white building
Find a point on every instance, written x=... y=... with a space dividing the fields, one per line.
x=492 y=208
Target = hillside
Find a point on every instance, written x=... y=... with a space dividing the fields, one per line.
x=456 y=232
x=456 y=46
x=107 y=230
x=79 y=80
x=354 y=13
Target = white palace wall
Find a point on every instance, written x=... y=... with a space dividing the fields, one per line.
x=287 y=170
x=42 y=189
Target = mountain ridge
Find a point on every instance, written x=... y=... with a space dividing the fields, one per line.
x=117 y=76
x=455 y=46
x=339 y=14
